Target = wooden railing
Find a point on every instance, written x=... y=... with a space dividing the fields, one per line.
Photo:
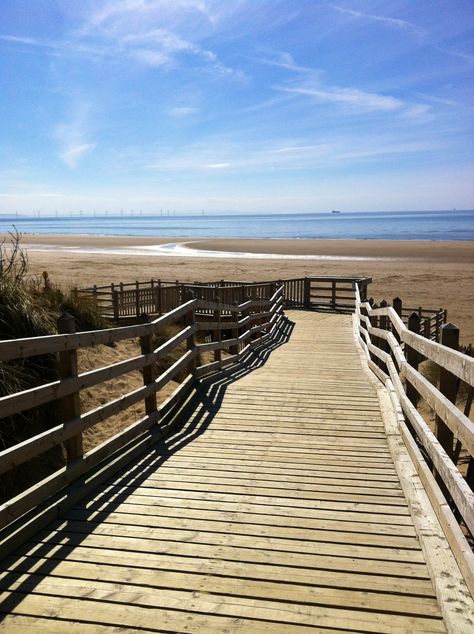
x=425 y=321
x=394 y=353
x=157 y=297
x=231 y=333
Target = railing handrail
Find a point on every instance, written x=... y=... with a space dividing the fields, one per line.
x=391 y=365
x=258 y=322
x=454 y=361
x=11 y=349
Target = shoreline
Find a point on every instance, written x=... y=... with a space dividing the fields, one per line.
x=423 y=273
x=337 y=249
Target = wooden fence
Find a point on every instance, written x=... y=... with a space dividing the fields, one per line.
x=394 y=352
x=157 y=297
x=232 y=331
x=425 y=321
x=233 y=318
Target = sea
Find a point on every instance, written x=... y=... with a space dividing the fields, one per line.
x=387 y=225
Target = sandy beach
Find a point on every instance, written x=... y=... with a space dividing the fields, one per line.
x=427 y=273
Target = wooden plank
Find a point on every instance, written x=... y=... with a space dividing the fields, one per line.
x=324 y=511
x=192 y=473
x=295 y=522
x=331 y=532
x=102 y=576
x=116 y=607
x=244 y=554
x=240 y=570
x=152 y=495
x=330 y=492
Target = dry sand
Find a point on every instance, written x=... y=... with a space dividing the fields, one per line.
x=422 y=273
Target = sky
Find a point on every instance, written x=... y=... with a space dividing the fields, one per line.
x=236 y=105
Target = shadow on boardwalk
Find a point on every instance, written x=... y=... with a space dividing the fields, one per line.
x=38 y=558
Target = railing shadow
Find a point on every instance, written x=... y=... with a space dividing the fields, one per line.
x=57 y=542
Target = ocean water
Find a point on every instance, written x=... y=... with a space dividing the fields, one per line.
x=426 y=225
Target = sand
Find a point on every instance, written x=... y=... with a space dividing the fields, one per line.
x=423 y=273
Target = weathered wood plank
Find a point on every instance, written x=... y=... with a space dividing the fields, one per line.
x=282 y=514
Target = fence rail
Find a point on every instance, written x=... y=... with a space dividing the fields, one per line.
x=224 y=319
x=394 y=352
x=254 y=320
x=157 y=297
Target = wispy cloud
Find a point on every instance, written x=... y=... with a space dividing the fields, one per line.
x=19 y=40
x=460 y=54
x=179 y=112
x=285 y=60
x=387 y=21
x=310 y=83
x=150 y=58
x=218 y=166
x=154 y=33
x=73 y=136
x=352 y=97
x=116 y=11
x=235 y=157
x=73 y=152
x=157 y=32
x=60 y=46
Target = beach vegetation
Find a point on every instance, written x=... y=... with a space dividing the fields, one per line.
x=24 y=313
x=30 y=307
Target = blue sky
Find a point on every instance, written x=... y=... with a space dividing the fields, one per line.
x=244 y=105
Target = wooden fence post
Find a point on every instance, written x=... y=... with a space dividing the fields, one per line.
x=159 y=301
x=235 y=332
x=307 y=293
x=137 y=299
x=427 y=327
x=397 y=306
x=412 y=356
x=383 y=344
x=383 y=322
x=70 y=406
x=439 y=322
x=146 y=345
x=218 y=332
x=247 y=313
x=448 y=386
x=375 y=340
x=115 y=306
x=333 y=295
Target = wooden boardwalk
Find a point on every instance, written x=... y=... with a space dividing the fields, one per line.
x=277 y=508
